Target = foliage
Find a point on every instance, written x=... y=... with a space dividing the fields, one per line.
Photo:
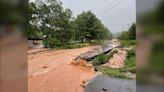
x=56 y=25
x=132 y=32
x=33 y=31
x=131 y=53
x=128 y=35
x=100 y=59
x=123 y=35
x=89 y=27
x=111 y=72
x=103 y=58
x=127 y=43
x=130 y=62
x=130 y=66
x=75 y=45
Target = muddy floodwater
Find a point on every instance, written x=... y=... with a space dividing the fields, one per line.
x=107 y=84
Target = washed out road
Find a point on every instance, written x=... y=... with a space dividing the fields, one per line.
x=51 y=71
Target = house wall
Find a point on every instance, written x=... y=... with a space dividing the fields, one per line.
x=35 y=44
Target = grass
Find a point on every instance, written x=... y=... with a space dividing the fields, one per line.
x=127 y=43
x=103 y=58
x=117 y=73
x=75 y=44
x=130 y=62
x=130 y=66
x=100 y=59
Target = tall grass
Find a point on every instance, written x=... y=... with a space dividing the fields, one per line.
x=130 y=62
x=100 y=59
x=127 y=43
x=129 y=66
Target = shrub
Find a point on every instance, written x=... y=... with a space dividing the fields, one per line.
x=130 y=62
x=131 y=53
x=127 y=43
x=101 y=59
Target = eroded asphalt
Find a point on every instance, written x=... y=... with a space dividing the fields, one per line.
x=107 y=84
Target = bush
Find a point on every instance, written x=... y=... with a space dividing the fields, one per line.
x=71 y=45
x=130 y=62
x=131 y=53
x=101 y=59
x=127 y=43
x=129 y=66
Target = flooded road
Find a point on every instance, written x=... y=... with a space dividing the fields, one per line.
x=51 y=71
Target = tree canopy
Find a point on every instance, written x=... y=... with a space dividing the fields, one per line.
x=88 y=27
x=130 y=34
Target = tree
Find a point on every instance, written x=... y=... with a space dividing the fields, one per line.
x=54 y=22
x=123 y=35
x=33 y=31
x=89 y=27
x=128 y=35
x=132 y=32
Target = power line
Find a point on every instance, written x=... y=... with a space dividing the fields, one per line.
x=115 y=6
x=107 y=4
x=101 y=5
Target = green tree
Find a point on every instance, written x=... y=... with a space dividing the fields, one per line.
x=123 y=35
x=54 y=22
x=33 y=31
x=128 y=35
x=132 y=32
x=89 y=27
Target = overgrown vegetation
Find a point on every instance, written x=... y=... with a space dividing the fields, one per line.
x=129 y=66
x=127 y=39
x=117 y=73
x=127 y=43
x=101 y=59
x=128 y=35
x=130 y=62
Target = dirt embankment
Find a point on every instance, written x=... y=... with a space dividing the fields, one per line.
x=117 y=61
x=53 y=71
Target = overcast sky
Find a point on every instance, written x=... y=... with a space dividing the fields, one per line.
x=117 y=15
